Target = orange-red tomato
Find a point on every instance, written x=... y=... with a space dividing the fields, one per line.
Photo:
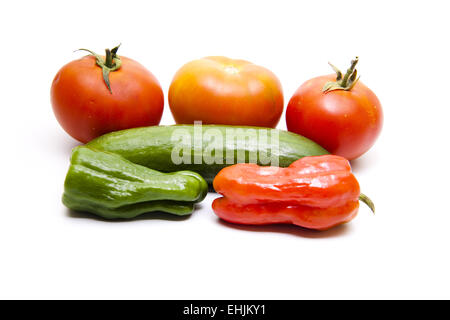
x=346 y=123
x=219 y=90
x=85 y=107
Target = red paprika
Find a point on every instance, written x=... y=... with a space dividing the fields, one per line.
x=313 y=192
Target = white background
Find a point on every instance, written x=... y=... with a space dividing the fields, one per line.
x=402 y=252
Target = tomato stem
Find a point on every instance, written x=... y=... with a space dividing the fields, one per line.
x=346 y=82
x=112 y=62
x=108 y=58
x=349 y=72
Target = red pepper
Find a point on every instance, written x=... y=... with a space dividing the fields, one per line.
x=313 y=192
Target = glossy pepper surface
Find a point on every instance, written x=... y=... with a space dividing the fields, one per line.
x=112 y=187
x=313 y=192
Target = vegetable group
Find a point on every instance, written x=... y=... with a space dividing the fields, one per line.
x=112 y=187
x=95 y=95
x=197 y=148
x=219 y=90
x=313 y=192
x=338 y=112
x=131 y=166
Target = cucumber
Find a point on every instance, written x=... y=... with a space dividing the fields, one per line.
x=206 y=149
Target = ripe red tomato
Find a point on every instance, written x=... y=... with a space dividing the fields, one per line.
x=345 y=121
x=219 y=90
x=86 y=108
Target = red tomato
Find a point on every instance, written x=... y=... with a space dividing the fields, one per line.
x=219 y=90
x=345 y=122
x=86 y=108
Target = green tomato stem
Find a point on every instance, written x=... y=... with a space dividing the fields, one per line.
x=112 y=62
x=346 y=82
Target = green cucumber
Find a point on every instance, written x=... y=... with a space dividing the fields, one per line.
x=201 y=149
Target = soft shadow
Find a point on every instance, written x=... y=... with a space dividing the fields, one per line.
x=291 y=229
x=365 y=162
x=66 y=145
x=157 y=215
x=55 y=140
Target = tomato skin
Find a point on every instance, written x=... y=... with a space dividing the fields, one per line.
x=346 y=123
x=85 y=107
x=219 y=90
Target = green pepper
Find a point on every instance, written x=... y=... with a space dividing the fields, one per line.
x=110 y=186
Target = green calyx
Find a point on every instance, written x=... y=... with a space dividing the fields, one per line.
x=346 y=82
x=111 y=63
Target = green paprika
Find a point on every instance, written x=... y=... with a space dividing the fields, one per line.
x=110 y=186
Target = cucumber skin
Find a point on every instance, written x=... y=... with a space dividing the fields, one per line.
x=152 y=147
